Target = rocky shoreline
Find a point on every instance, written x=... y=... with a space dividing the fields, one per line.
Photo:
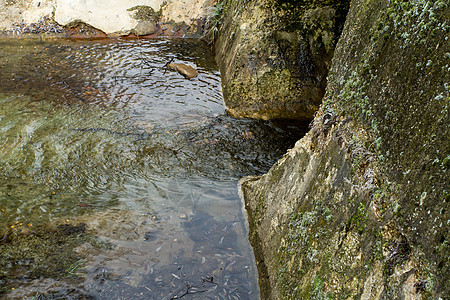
x=77 y=19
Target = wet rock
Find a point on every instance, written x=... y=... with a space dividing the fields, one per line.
x=185 y=70
x=80 y=30
x=351 y=210
x=145 y=28
x=69 y=229
x=274 y=58
x=145 y=13
x=150 y=236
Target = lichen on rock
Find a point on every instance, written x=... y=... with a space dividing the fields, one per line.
x=274 y=56
x=359 y=207
x=145 y=13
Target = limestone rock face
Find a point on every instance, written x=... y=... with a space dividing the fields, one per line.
x=359 y=208
x=274 y=56
x=109 y=16
x=27 y=11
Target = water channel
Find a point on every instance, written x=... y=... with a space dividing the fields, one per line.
x=118 y=177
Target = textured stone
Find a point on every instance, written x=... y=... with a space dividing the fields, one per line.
x=358 y=209
x=274 y=57
x=110 y=16
x=187 y=71
x=145 y=28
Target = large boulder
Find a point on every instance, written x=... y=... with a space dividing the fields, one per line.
x=112 y=17
x=359 y=208
x=274 y=55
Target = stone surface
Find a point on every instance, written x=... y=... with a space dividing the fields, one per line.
x=26 y=11
x=274 y=56
x=359 y=208
x=107 y=15
x=145 y=28
x=187 y=71
x=187 y=11
x=110 y=16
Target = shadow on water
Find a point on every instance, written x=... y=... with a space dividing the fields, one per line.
x=99 y=135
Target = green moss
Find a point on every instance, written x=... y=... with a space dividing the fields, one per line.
x=388 y=94
x=146 y=13
x=281 y=61
x=400 y=98
x=292 y=10
x=213 y=22
x=305 y=233
x=270 y=85
x=359 y=219
x=43 y=252
x=318 y=290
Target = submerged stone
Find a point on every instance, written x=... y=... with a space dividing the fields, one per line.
x=42 y=251
x=185 y=70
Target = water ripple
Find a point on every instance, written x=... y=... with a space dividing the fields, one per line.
x=103 y=123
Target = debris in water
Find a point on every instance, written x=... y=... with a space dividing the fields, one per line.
x=187 y=71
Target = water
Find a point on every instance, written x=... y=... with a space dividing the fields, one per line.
x=100 y=133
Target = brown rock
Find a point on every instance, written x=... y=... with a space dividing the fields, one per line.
x=185 y=70
x=145 y=28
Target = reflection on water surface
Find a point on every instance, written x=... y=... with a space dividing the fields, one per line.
x=99 y=133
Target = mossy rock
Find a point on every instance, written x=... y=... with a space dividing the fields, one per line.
x=274 y=56
x=359 y=208
x=145 y=13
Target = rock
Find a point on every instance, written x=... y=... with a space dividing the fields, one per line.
x=114 y=20
x=149 y=236
x=185 y=70
x=145 y=28
x=81 y=30
x=274 y=58
x=358 y=209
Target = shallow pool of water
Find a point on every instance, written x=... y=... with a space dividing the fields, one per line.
x=100 y=133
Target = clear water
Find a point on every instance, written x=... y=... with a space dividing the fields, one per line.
x=99 y=132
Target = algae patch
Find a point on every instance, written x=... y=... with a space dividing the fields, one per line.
x=44 y=251
x=146 y=13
